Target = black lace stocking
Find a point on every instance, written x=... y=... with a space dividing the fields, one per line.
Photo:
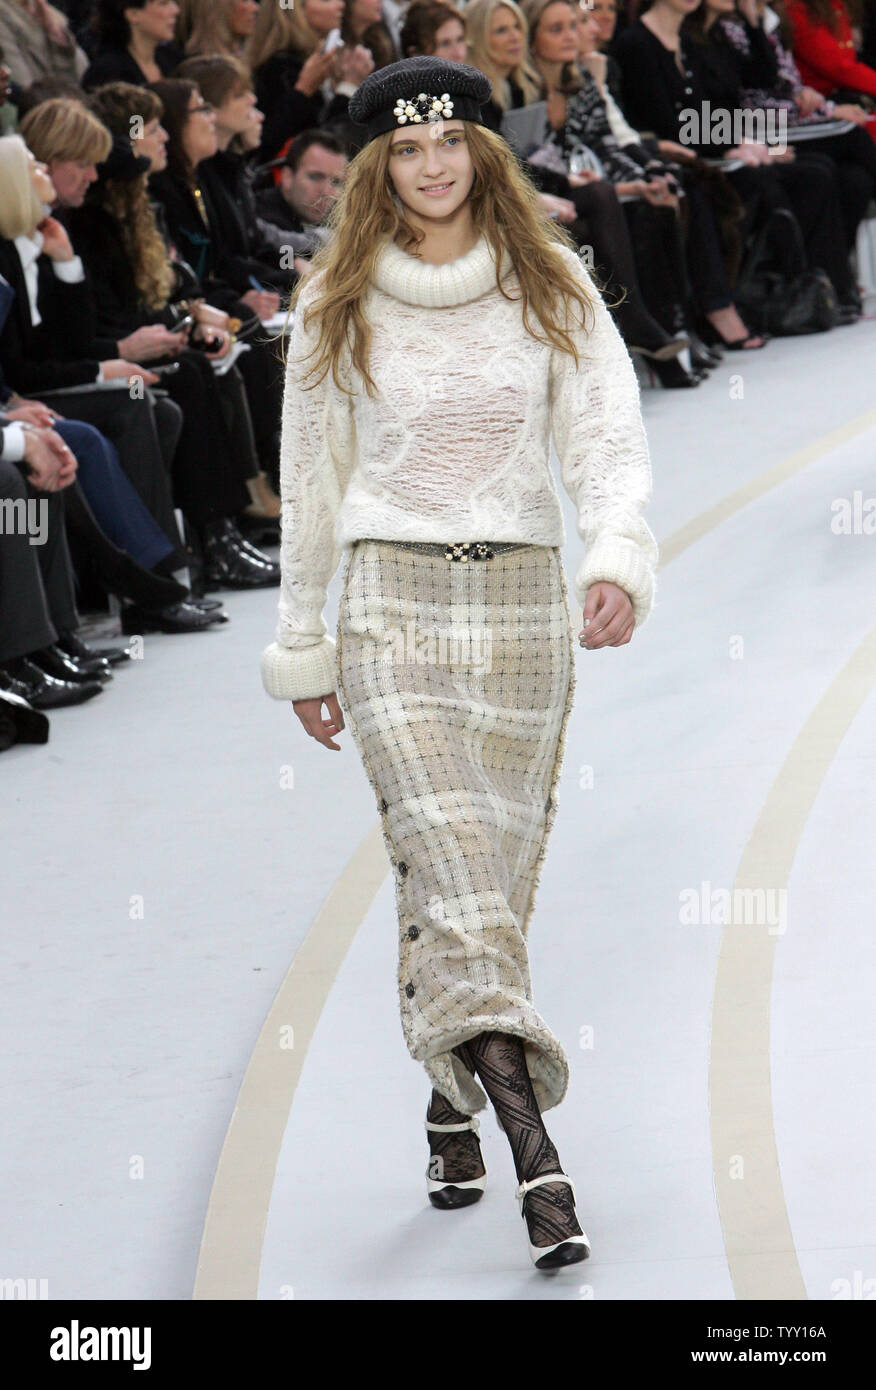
x=500 y=1062
x=454 y=1157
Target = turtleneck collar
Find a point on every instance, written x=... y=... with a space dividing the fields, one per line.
x=411 y=280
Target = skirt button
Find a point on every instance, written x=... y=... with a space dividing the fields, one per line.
x=413 y=933
x=409 y=990
x=403 y=869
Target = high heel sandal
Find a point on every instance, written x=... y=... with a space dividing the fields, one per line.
x=665 y=352
x=455 y=1194
x=565 y=1252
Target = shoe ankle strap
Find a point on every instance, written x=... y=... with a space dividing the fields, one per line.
x=473 y=1123
x=525 y=1187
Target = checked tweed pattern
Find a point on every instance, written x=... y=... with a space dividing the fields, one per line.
x=464 y=758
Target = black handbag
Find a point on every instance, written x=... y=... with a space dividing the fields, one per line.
x=775 y=292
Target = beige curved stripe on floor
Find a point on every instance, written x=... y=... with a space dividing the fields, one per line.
x=234 y=1226
x=748 y=1182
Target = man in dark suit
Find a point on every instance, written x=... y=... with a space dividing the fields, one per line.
x=37 y=595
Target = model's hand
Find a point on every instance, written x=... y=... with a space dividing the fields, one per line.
x=310 y=714
x=611 y=618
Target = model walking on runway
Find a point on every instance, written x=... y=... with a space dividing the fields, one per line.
x=445 y=331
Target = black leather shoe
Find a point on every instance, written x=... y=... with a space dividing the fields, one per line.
x=241 y=542
x=230 y=568
x=73 y=645
x=44 y=691
x=20 y=722
x=56 y=662
x=92 y=663
x=178 y=617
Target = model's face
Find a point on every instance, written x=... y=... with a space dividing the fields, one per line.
x=72 y=179
x=199 y=133
x=431 y=169
x=605 y=14
x=556 y=38
x=450 y=42
x=506 y=44
x=323 y=15
x=242 y=18
x=588 y=32
x=153 y=145
x=156 y=20
x=43 y=186
x=313 y=188
x=234 y=116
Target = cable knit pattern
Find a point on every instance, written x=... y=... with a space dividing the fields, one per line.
x=457 y=445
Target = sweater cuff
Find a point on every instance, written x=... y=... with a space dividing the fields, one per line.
x=299 y=673
x=619 y=561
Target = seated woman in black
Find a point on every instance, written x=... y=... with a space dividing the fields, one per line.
x=225 y=83
x=134 y=42
x=194 y=227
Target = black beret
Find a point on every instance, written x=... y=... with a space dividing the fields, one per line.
x=418 y=90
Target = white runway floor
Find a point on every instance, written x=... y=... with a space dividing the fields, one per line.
x=206 y=1091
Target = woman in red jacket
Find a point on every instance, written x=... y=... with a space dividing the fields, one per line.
x=824 y=47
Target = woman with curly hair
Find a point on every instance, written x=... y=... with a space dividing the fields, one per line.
x=447 y=329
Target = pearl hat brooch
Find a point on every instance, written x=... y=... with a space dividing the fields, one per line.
x=418 y=91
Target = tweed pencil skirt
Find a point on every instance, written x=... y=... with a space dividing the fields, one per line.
x=456 y=680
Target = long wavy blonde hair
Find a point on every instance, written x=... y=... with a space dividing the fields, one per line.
x=504 y=207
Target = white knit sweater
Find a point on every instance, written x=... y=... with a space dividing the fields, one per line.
x=457 y=445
